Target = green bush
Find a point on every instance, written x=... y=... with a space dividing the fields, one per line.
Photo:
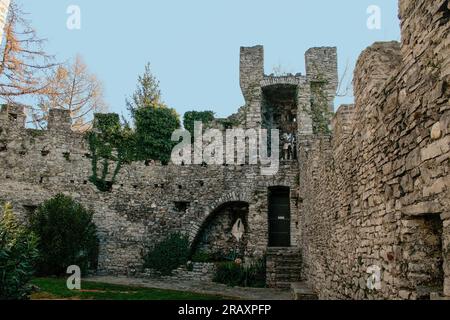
x=203 y=257
x=18 y=252
x=190 y=117
x=67 y=236
x=154 y=128
x=168 y=255
x=241 y=275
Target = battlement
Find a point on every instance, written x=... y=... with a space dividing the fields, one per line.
x=264 y=94
x=13 y=115
x=59 y=120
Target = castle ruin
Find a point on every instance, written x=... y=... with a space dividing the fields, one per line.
x=375 y=193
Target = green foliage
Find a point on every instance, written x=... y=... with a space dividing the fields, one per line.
x=204 y=257
x=18 y=252
x=168 y=255
x=109 y=142
x=154 y=128
x=112 y=144
x=67 y=236
x=147 y=92
x=320 y=112
x=228 y=123
x=241 y=275
x=190 y=117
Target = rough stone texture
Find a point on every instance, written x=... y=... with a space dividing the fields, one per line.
x=216 y=239
x=283 y=267
x=321 y=66
x=377 y=192
x=200 y=272
x=374 y=193
x=142 y=207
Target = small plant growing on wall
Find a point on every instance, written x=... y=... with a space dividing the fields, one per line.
x=320 y=112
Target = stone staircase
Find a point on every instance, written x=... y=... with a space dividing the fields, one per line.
x=284 y=266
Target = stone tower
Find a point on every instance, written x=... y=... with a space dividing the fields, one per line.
x=284 y=102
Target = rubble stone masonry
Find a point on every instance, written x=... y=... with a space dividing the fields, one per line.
x=377 y=193
x=373 y=195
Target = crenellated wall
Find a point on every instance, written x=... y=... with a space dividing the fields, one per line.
x=372 y=196
x=142 y=207
x=377 y=193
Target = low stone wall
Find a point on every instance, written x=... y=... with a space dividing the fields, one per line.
x=200 y=271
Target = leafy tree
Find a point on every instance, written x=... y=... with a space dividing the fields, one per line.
x=67 y=236
x=18 y=253
x=154 y=121
x=154 y=128
x=190 y=117
x=147 y=92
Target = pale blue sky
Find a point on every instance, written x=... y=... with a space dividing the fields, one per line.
x=193 y=45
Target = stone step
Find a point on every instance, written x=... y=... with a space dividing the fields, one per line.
x=301 y=291
x=284 y=267
x=285 y=258
x=286 y=272
x=287 y=263
x=289 y=278
x=283 y=284
x=283 y=251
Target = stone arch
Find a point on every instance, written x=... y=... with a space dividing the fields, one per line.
x=214 y=235
x=282 y=80
x=213 y=208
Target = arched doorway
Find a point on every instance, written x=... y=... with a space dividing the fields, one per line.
x=279 y=217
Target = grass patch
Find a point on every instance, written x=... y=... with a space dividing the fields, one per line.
x=56 y=289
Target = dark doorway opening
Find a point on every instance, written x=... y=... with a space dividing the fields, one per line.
x=279 y=217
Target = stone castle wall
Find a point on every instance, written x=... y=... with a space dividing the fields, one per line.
x=142 y=207
x=377 y=193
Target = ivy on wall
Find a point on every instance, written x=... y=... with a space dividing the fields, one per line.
x=320 y=112
x=111 y=145
x=205 y=117
x=154 y=128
